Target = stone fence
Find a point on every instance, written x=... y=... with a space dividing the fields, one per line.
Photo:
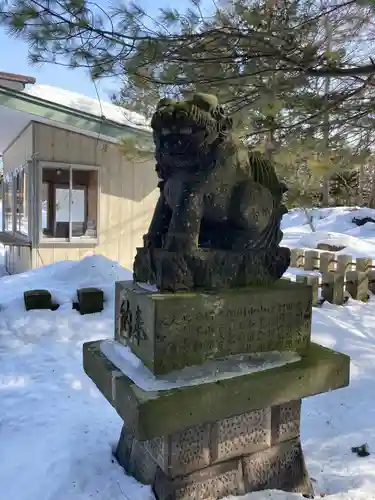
x=335 y=276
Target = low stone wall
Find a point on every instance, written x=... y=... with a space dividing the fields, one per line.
x=335 y=276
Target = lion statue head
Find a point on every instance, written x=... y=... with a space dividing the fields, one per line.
x=186 y=132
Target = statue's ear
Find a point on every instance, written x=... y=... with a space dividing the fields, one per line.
x=205 y=102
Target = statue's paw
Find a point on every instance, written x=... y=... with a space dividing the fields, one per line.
x=173 y=273
x=178 y=243
x=151 y=240
x=142 y=267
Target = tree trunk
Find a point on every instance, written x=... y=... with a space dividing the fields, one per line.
x=326 y=124
x=325 y=193
x=371 y=201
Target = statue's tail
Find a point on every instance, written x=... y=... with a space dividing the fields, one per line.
x=263 y=171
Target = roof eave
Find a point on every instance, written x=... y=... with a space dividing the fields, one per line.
x=13 y=77
x=82 y=120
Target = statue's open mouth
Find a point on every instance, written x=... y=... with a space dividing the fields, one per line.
x=177 y=143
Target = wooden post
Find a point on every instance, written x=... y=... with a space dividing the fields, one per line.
x=371 y=280
x=344 y=264
x=313 y=281
x=327 y=262
x=363 y=264
x=297 y=257
x=333 y=288
x=357 y=285
x=311 y=260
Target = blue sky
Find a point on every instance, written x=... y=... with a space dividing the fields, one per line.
x=14 y=60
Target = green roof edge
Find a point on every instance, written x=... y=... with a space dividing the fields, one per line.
x=27 y=103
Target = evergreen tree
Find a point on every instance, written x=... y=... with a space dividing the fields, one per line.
x=267 y=60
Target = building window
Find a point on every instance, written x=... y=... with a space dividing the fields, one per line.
x=21 y=202
x=69 y=203
x=8 y=204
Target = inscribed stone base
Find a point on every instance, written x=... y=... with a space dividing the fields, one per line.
x=171 y=331
x=149 y=414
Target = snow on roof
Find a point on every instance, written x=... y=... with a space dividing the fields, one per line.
x=89 y=105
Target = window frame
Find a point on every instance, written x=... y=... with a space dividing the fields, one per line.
x=27 y=167
x=25 y=171
x=4 y=189
x=75 y=241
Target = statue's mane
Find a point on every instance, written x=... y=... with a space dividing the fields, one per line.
x=202 y=110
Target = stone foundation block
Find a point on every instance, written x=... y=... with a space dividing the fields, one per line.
x=215 y=482
x=203 y=445
x=181 y=452
x=240 y=435
x=281 y=466
x=286 y=421
x=170 y=331
x=150 y=414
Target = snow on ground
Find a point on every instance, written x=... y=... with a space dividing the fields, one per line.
x=57 y=431
x=333 y=226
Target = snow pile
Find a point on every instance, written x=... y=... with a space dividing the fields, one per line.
x=57 y=431
x=333 y=226
x=62 y=280
x=88 y=105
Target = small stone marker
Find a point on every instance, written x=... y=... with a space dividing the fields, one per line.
x=90 y=300
x=38 y=299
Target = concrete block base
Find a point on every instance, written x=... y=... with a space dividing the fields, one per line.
x=255 y=451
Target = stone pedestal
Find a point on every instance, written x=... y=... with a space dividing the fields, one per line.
x=225 y=437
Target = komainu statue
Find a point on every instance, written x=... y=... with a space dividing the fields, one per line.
x=217 y=221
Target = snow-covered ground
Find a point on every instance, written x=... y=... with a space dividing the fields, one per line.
x=57 y=431
x=333 y=226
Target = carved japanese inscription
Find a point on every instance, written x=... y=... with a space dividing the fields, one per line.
x=131 y=325
x=265 y=325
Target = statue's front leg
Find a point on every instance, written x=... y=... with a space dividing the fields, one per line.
x=185 y=223
x=159 y=224
x=144 y=267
